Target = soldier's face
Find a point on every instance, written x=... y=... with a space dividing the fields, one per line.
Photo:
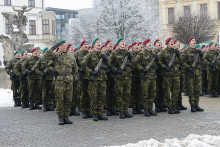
x=84 y=46
x=62 y=48
x=212 y=47
x=109 y=46
x=71 y=49
x=25 y=55
x=192 y=43
x=103 y=49
x=170 y=44
x=148 y=45
x=35 y=53
x=122 y=44
x=140 y=46
x=176 y=45
x=135 y=47
x=18 y=55
x=97 y=45
x=158 y=45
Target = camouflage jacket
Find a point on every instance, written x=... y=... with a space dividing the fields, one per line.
x=142 y=60
x=205 y=65
x=116 y=60
x=28 y=65
x=90 y=62
x=164 y=59
x=17 y=67
x=208 y=58
x=79 y=56
x=135 y=72
x=187 y=59
x=10 y=67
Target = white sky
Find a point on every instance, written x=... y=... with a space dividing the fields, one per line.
x=69 y=4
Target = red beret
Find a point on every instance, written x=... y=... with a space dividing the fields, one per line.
x=81 y=44
x=156 y=41
x=190 y=39
x=174 y=41
x=168 y=40
x=114 y=46
x=107 y=43
x=68 y=46
x=134 y=43
x=210 y=44
x=203 y=46
x=130 y=46
x=139 y=43
x=33 y=50
x=102 y=46
x=75 y=49
x=146 y=41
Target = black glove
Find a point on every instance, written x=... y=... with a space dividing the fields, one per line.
x=93 y=73
x=43 y=75
x=216 y=53
x=191 y=70
x=129 y=55
x=210 y=65
x=80 y=71
x=156 y=57
x=55 y=73
x=119 y=71
x=30 y=72
x=13 y=76
x=167 y=68
x=104 y=57
x=145 y=70
x=177 y=52
x=199 y=52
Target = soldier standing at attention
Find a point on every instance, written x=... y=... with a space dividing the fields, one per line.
x=96 y=64
x=28 y=68
x=23 y=80
x=192 y=60
x=122 y=77
x=14 y=78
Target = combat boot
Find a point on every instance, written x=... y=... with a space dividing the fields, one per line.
x=15 y=103
x=89 y=114
x=139 y=111
x=181 y=106
x=27 y=105
x=74 y=112
x=19 y=104
x=178 y=107
x=146 y=113
x=108 y=113
x=198 y=108
x=84 y=115
x=127 y=115
x=134 y=111
x=95 y=117
x=61 y=120
x=170 y=110
x=122 y=115
x=31 y=106
x=45 y=109
x=216 y=95
x=185 y=94
x=67 y=121
x=114 y=112
x=193 y=109
x=37 y=107
x=50 y=108
x=102 y=117
x=152 y=112
x=211 y=95
x=157 y=109
x=176 y=111
x=162 y=109
x=23 y=105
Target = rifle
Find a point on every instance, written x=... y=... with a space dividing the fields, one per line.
x=148 y=67
x=170 y=64
x=96 y=69
x=214 y=60
x=123 y=66
x=194 y=63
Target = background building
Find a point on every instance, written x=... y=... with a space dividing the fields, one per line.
x=41 y=26
x=171 y=10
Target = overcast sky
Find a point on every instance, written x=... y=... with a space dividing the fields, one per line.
x=69 y=4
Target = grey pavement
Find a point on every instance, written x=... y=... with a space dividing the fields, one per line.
x=22 y=127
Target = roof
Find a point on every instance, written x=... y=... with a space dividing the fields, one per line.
x=60 y=10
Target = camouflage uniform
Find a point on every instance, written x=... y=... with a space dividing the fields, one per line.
x=23 y=81
x=97 y=86
x=15 y=80
x=122 y=82
x=48 y=97
x=171 y=81
x=33 y=80
x=205 y=73
x=83 y=82
x=148 y=79
x=193 y=79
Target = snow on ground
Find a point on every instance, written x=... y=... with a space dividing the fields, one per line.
x=190 y=141
x=6 y=98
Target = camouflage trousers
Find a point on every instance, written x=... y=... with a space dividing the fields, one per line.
x=24 y=91
x=159 y=99
x=194 y=85
x=48 y=96
x=171 y=88
x=63 y=95
x=97 y=93
x=205 y=80
x=136 y=99
x=34 y=91
x=76 y=100
x=15 y=88
x=213 y=81
x=83 y=95
x=110 y=101
x=148 y=90
x=122 y=90
x=182 y=87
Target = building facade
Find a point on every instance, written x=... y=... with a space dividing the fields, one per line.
x=41 y=25
x=171 y=10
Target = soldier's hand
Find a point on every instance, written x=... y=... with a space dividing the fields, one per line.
x=104 y=57
x=167 y=68
x=156 y=57
x=119 y=71
x=80 y=71
x=13 y=76
x=177 y=52
x=55 y=73
x=129 y=55
x=216 y=53
x=93 y=73
x=199 y=52
x=22 y=76
x=210 y=65
x=43 y=75
x=145 y=70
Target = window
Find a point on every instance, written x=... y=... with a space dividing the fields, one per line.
x=7 y=26
x=7 y=2
x=203 y=9
x=171 y=16
x=187 y=10
x=31 y=3
x=46 y=27
x=218 y=10
x=32 y=27
x=53 y=27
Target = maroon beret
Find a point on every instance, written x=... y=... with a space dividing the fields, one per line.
x=174 y=41
x=33 y=50
x=106 y=43
x=210 y=44
x=75 y=50
x=168 y=40
x=146 y=41
x=114 y=47
x=190 y=39
x=68 y=46
x=81 y=44
x=130 y=46
x=203 y=46
x=139 y=43
x=134 y=43
x=156 y=41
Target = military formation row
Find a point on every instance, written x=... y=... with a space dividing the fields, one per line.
x=112 y=78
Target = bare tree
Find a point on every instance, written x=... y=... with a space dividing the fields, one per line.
x=201 y=27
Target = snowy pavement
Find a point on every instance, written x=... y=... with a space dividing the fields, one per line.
x=22 y=127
